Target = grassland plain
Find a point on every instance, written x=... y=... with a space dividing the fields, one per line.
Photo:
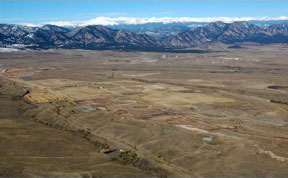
x=218 y=114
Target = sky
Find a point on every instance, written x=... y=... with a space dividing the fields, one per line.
x=86 y=12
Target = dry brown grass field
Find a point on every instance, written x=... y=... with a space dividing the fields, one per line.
x=77 y=113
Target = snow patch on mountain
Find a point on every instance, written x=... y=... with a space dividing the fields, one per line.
x=143 y=20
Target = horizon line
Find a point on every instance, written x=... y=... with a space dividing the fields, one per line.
x=111 y=21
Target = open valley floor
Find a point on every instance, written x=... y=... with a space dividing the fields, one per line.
x=84 y=113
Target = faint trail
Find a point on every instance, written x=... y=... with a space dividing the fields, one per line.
x=273 y=156
x=249 y=133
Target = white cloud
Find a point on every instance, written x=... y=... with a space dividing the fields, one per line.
x=143 y=20
x=31 y=24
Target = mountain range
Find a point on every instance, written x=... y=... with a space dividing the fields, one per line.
x=168 y=36
x=163 y=30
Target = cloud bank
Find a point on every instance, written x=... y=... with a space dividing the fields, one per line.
x=144 y=20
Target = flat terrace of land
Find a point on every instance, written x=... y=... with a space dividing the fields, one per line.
x=218 y=114
x=30 y=149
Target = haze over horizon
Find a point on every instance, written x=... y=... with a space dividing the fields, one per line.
x=79 y=13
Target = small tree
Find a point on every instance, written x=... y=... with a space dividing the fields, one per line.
x=237 y=124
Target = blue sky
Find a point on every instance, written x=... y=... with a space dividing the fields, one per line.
x=46 y=11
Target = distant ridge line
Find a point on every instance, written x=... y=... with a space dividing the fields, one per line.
x=168 y=37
